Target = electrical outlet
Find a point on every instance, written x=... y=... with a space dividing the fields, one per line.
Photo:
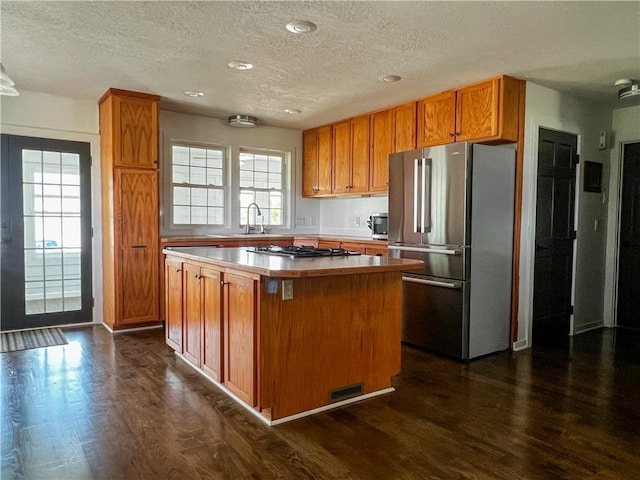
x=357 y=221
x=300 y=221
x=312 y=220
x=287 y=289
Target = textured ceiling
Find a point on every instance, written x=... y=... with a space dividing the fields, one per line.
x=80 y=49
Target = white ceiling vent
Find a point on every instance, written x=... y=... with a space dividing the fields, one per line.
x=242 y=121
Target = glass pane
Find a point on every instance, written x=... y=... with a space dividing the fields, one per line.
x=198 y=176
x=70 y=200
x=199 y=215
x=214 y=177
x=214 y=158
x=198 y=196
x=71 y=233
x=51 y=167
x=181 y=195
x=216 y=198
x=275 y=181
x=71 y=169
x=275 y=216
x=71 y=263
x=33 y=232
x=262 y=199
x=34 y=265
x=53 y=296
x=73 y=303
x=181 y=215
x=260 y=180
x=246 y=161
x=34 y=297
x=32 y=198
x=275 y=164
x=246 y=178
x=51 y=199
x=180 y=155
x=31 y=166
x=198 y=157
x=180 y=174
x=261 y=163
x=71 y=291
x=52 y=232
x=216 y=216
x=52 y=264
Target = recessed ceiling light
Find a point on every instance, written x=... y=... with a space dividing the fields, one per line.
x=390 y=78
x=238 y=65
x=190 y=93
x=292 y=111
x=301 y=27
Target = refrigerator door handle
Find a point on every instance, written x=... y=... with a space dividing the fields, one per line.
x=426 y=250
x=425 y=214
x=434 y=283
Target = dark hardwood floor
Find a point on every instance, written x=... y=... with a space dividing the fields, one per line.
x=123 y=406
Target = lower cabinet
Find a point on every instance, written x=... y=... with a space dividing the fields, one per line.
x=212 y=322
x=173 y=303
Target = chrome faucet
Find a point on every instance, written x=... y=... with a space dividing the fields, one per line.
x=248 y=227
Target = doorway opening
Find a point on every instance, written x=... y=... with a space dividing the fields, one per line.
x=45 y=225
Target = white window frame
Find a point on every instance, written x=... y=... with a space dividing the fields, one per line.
x=285 y=190
x=224 y=188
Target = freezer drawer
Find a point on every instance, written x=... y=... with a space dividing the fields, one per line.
x=435 y=314
x=439 y=261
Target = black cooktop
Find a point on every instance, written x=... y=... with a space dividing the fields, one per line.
x=303 y=251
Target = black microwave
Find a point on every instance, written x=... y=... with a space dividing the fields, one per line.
x=378 y=223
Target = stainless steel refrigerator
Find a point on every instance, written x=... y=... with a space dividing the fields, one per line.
x=452 y=207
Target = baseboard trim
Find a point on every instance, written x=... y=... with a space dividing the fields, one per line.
x=279 y=421
x=134 y=329
x=590 y=326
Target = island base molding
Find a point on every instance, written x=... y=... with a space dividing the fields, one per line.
x=272 y=423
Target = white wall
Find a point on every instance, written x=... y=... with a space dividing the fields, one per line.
x=48 y=116
x=550 y=109
x=348 y=216
x=625 y=127
x=212 y=131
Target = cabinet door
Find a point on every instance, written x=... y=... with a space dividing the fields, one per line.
x=240 y=336
x=310 y=162
x=436 y=119
x=325 y=148
x=138 y=285
x=377 y=251
x=341 y=165
x=405 y=129
x=137 y=128
x=360 y=154
x=138 y=212
x=173 y=303
x=328 y=244
x=192 y=314
x=212 y=348
x=477 y=111
x=381 y=147
x=353 y=247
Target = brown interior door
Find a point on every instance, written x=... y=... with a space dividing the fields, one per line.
x=555 y=234
x=629 y=257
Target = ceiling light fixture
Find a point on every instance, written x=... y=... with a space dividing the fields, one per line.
x=238 y=65
x=242 y=121
x=292 y=111
x=390 y=78
x=190 y=93
x=628 y=88
x=301 y=27
x=6 y=84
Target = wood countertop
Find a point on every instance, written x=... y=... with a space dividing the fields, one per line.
x=285 y=267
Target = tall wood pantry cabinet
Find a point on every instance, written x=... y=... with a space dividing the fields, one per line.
x=130 y=208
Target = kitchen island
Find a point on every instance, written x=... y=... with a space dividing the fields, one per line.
x=286 y=336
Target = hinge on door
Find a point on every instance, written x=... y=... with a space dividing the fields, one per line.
x=90 y=161
x=93 y=302
x=571 y=310
x=91 y=232
x=573 y=235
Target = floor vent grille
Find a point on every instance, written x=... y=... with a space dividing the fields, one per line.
x=344 y=393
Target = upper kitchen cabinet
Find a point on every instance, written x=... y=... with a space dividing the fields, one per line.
x=350 y=168
x=482 y=112
x=316 y=167
x=130 y=208
x=392 y=130
x=134 y=127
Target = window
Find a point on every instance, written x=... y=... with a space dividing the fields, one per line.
x=198 y=185
x=262 y=182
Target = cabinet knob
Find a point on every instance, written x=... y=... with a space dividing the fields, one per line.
x=223 y=283
x=452 y=134
x=196 y=275
x=178 y=270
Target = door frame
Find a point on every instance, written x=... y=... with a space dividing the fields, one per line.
x=528 y=235
x=616 y=233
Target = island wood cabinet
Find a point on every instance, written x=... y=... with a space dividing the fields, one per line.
x=350 y=168
x=392 y=130
x=130 y=206
x=173 y=274
x=482 y=112
x=317 y=157
x=218 y=322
